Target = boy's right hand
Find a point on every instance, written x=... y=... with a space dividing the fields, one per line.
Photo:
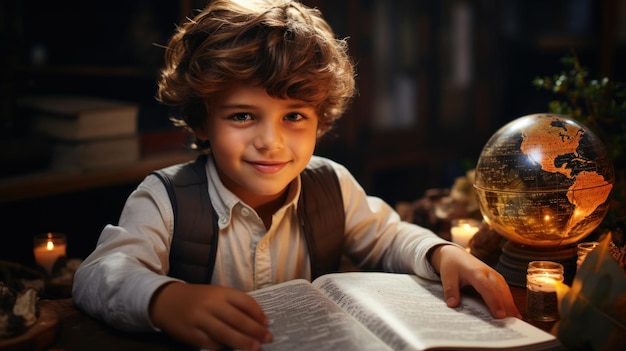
x=210 y=317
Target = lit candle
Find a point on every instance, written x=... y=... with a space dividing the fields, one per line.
x=462 y=230
x=48 y=248
x=540 y=283
x=541 y=298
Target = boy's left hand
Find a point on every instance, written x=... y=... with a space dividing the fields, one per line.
x=458 y=269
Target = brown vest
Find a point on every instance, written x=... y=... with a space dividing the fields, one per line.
x=194 y=244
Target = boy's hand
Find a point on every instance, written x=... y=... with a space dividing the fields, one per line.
x=458 y=269
x=210 y=317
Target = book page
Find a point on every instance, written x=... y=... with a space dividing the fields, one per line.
x=409 y=313
x=301 y=318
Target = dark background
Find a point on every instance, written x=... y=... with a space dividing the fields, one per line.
x=463 y=67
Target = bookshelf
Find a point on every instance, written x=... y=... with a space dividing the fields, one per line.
x=96 y=48
x=458 y=68
x=469 y=67
x=449 y=88
x=47 y=183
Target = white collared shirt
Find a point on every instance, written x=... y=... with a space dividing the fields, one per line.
x=130 y=262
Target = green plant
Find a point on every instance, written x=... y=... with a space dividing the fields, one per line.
x=600 y=104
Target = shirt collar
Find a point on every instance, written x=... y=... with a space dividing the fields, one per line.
x=223 y=200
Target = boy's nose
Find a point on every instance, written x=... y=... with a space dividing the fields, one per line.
x=268 y=137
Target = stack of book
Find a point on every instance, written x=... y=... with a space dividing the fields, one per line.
x=87 y=132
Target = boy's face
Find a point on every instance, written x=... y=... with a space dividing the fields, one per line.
x=260 y=143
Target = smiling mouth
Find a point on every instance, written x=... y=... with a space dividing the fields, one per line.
x=267 y=167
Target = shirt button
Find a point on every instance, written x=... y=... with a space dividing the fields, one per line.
x=223 y=220
x=245 y=212
x=262 y=245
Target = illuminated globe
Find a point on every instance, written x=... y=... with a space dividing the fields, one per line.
x=544 y=180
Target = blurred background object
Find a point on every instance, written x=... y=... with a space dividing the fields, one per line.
x=436 y=79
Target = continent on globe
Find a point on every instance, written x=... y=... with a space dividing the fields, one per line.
x=544 y=140
x=544 y=180
x=589 y=191
x=547 y=139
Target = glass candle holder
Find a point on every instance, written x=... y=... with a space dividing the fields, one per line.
x=48 y=248
x=583 y=249
x=463 y=229
x=541 y=299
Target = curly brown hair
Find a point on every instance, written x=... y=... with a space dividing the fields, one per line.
x=282 y=46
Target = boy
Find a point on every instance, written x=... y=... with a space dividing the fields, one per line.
x=258 y=83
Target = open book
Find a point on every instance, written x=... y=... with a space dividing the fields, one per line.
x=385 y=311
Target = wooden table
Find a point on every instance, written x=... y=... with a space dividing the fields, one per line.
x=77 y=331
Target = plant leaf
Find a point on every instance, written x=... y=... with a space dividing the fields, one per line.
x=593 y=310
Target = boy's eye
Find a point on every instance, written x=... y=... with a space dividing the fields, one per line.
x=294 y=117
x=241 y=117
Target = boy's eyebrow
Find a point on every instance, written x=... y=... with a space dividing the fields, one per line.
x=236 y=105
x=248 y=106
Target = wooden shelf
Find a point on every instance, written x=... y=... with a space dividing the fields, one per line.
x=55 y=182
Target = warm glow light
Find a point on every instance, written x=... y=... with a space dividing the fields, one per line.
x=547 y=218
x=544 y=283
x=48 y=248
x=541 y=281
x=463 y=230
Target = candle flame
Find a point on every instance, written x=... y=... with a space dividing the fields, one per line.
x=470 y=228
x=49 y=245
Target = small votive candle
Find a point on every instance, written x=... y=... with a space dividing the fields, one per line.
x=463 y=229
x=583 y=249
x=541 y=299
x=48 y=248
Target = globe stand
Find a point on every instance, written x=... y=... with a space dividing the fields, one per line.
x=515 y=258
